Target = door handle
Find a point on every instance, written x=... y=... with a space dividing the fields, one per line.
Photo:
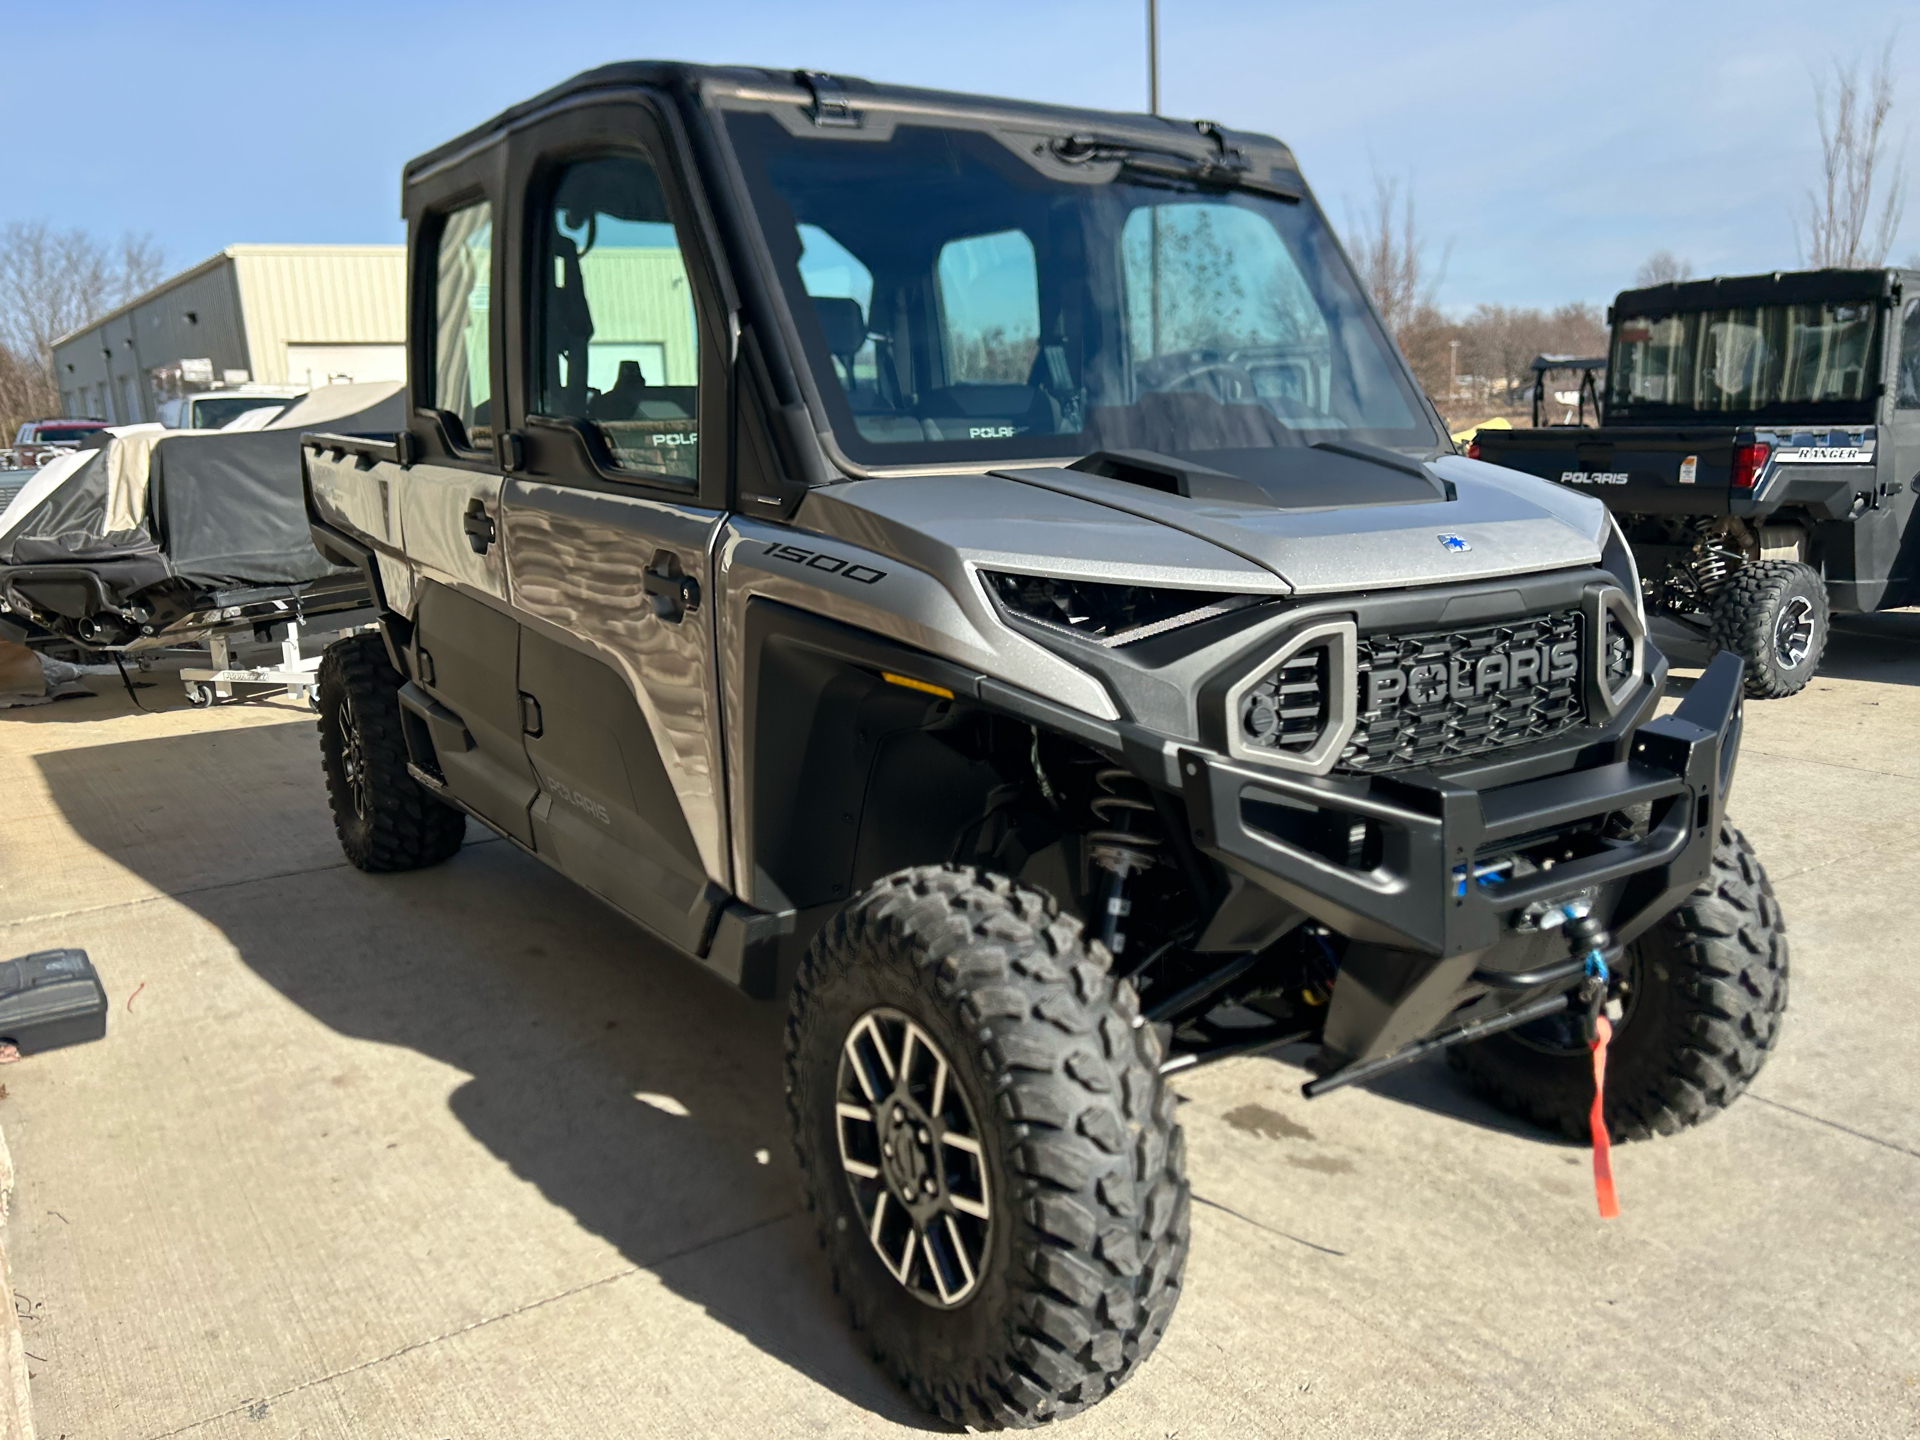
x=675 y=594
x=479 y=527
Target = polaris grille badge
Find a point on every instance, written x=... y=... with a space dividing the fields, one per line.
x=1454 y=543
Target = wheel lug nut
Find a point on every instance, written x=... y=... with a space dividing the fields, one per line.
x=924 y=1136
x=931 y=1187
x=887 y=1150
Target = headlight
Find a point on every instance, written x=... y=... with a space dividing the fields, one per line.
x=1109 y=615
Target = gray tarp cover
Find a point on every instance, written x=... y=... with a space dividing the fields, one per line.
x=222 y=508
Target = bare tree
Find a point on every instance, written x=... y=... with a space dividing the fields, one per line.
x=53 y=282
x=1661 y=268
x=24 y=393
x=1391 y=254
x=1840 y=229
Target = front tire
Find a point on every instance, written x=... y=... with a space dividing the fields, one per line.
x=1773 y=615
x=1705 y=990
x=385 y=818
x=1071 y=1228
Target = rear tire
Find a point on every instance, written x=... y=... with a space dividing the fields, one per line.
x=1709 y=988
x=385 y=818
x=1773 y=615
x=1075 y=1265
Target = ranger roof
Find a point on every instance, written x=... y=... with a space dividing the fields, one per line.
x=760 y=83
x=1781 y=287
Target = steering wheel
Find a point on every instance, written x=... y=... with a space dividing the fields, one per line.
x=1224 y=380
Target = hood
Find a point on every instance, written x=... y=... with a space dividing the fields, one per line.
x=1085 y=526
x=1080 y=526
x=1497 y=523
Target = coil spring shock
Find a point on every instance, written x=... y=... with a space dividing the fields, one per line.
x=1126 y=842
x=1710 y=564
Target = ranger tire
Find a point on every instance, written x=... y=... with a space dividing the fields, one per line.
x=385 y=818
x=1708 y=988
x=1073 y=1271
x=1773 y=615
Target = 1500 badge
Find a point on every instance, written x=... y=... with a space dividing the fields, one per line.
x=826 y=564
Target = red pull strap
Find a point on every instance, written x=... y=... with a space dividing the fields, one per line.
x=1597 y=1123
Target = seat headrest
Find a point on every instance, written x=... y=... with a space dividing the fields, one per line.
x=843 y=322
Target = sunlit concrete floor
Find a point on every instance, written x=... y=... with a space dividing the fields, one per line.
x=461 y=1154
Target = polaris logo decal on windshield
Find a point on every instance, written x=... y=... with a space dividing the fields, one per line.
x=1453 y=543
x=992 y=432
x=1825 y=455
x=1466 y=679
x=1595 y=477
x=826 y=564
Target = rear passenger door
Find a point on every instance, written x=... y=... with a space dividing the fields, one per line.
x=466 y=637
x=611 y=515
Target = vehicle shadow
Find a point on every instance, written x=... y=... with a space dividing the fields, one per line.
x=634 y=1091
x=1430 y=1085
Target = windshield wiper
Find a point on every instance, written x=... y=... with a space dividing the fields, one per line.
x=1227 y=169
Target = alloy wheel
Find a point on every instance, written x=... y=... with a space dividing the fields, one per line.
x=353 y=765
x=1793 y=632
x=911 y=1150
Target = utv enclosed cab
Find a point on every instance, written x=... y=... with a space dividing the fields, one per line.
x=1760 y=447
x=152 y=536
x=984 y=569
x=1586 y=394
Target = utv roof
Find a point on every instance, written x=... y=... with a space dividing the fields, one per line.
x=1782 y=287
x=804 y=85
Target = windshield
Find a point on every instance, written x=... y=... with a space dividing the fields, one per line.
x=58 y=434
x=1754 y=360
x=212 y=414
x=960 y=302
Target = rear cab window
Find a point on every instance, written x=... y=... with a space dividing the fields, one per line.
x=462 y=377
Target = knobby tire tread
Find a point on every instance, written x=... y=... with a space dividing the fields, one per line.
x=1078 y=1110
x=407 y=827
x=1722 y=957
x=1743 y=619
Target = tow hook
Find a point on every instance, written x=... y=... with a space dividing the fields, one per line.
x=1584 y=931
x=1589 y=938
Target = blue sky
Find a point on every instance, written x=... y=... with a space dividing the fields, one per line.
x=1553 y=146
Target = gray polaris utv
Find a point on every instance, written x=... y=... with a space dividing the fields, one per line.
x=982 y=572
x=1758 y=437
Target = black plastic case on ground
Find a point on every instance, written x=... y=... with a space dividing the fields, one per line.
x=49 y=999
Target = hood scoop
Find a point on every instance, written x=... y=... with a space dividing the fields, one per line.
x=1306 y=477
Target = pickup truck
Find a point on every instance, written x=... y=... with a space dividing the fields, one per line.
x=981 y=573
x=216 y=409
x=38 y=441
x=1759 y=442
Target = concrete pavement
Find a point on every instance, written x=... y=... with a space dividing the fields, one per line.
x=461 y=1153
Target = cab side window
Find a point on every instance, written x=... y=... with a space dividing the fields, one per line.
x=462 y=370
x=1909 y=396
x=617 y=343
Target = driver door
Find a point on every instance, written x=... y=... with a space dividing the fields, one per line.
x=610 y=519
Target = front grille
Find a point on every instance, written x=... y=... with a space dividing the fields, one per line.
x=1446 y=695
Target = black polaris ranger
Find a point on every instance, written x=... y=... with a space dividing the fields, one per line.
x=1760 y=444
x=981 y=573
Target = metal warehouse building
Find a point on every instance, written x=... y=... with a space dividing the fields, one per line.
x=271 y=314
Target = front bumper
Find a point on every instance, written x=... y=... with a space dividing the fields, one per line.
x=1417 y=869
